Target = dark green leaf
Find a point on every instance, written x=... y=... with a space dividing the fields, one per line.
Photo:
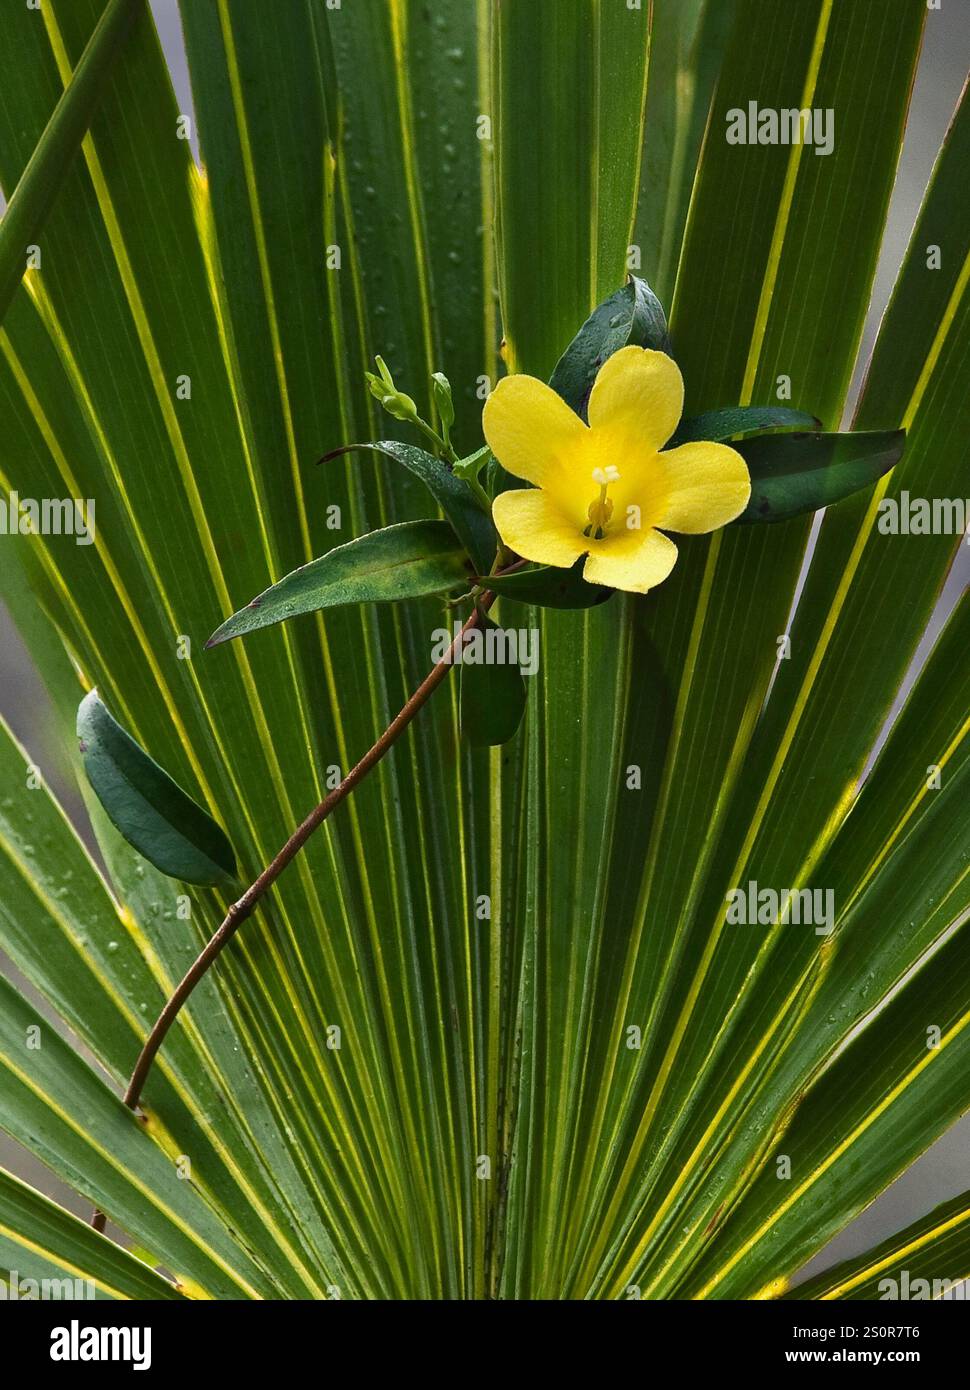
x=549 y=587
x=152 y=812
x=633 y=314
x=741 y=419
x=472 y=527
x=410 y=560
x=796 y=473
x=493 y=694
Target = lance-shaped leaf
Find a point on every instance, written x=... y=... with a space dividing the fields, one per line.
x=741 y=419
x=471 y=524
x=634 y=315
x=549 y=587
x=493 y=691
x=796 y=473
x=152 y=812
x=411 y=560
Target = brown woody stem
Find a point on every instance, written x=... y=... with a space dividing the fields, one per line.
x=244 y=906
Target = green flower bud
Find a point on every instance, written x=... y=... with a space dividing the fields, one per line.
x=399 y=405
x=395 y=402
x=441 y=387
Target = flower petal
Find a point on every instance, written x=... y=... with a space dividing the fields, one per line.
x=637 y=401
x=632 y=560
x=532 y=525
x=703 y=486
x=532 y=431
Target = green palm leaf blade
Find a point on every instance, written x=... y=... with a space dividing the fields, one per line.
x=686 y=50
x=294 y=1004
x=120 y=578
x=888 y=1095
x=59 y=144
x=61 y=1248
x=412 y=1074
x=715 y=654
x=796 y=815
x=563 y=233
x=579 y=98
x=407 y=938
x=107 y=976
x=805 y=992
x=79 y=1128
x=922 y=1261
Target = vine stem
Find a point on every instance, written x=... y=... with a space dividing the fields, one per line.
x=244 y=906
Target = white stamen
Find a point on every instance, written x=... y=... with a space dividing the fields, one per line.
x=604 y=476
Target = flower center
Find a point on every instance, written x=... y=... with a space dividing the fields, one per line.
x=601 y=508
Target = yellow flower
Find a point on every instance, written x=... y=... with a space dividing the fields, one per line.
x=603 y=489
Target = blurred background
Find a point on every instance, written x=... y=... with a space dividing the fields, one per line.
x=944 y=1170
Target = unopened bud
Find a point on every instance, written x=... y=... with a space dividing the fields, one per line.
x=441 y=387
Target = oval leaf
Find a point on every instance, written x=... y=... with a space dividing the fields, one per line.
x=455 y=498
x=410 y=560
x=493 y=692
x=796 y=473
x=548 y=587
x=633 y=314
x=151 y=811
x=741 y=419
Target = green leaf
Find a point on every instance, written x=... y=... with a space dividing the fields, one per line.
x=634 y=315
x=610 y=1164
x=567 y=179
x=866 y=602
x=44 y=175
x=152 y=812
x=894 y=860
x=472 y=526
x=493 y=694
x=61 y=1247
x=796 y=473
x=548 y=587
x=410 y=560
x=745 y=308
x=869 y=1114
x=105 y=960
x=686 y=50
x=720 y=425
x=357 y=934
x=936 y=1248
x=110 y=1157
x=226 y=507
x=568 y=143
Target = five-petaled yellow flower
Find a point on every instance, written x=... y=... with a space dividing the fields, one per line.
x=603 y=490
